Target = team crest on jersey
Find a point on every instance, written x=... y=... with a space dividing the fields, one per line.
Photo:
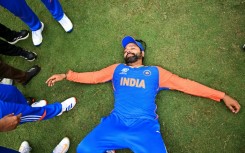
x=147 y=72
x=124 y=71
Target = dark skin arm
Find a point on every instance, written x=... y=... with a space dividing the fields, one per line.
x=9 y=122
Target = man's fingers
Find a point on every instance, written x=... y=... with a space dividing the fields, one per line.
x=9 y=115
x=19 y=115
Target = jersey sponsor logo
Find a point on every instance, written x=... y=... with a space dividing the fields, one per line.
x=132 y=82
x=124 y=71
x=147 y=72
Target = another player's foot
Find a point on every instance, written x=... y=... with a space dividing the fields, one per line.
x=28 y=55
x=67 y=105
x=30 y=100
x=6 y=81
x=33 y=71
x=110 y=151
x=23 y=34
x=243 y=46
x=63 y=146
x=24 y=147
x=37 y=37
x=40 y=103
x=66 y=23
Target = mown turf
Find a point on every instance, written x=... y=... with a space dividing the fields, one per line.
x=198 y=40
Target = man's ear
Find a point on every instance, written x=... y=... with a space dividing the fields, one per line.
x=143 y=54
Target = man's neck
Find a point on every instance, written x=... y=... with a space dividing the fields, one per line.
x=136 y=64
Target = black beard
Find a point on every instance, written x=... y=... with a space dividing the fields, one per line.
x=131 y=59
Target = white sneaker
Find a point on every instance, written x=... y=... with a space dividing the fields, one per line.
x=110 y=151
x=65 y=22
x=37 y=37
x=24 y=147
x=6 y=81
x=67 y=105
x=40 y=103
x=63 y=146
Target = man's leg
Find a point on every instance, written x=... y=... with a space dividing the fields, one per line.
x=9 y=93
x=58 y=14
x=7 y=71
x=20 y=9
x=145 y=137
x=12 y=36
x=30 y=114
x=7 y=150
x=108 y=135
x=54 y=8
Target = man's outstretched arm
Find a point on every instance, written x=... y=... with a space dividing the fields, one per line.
x=174 y=82
x=100 y=76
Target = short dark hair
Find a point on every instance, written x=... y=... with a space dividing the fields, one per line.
x=144 y=45
x=142 y=42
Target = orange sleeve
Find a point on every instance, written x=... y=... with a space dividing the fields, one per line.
x=174 y=82
x=95 y=77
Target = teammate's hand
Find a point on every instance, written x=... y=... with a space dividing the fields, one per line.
x=9 y=122
x=232 y=104
x=55 y=78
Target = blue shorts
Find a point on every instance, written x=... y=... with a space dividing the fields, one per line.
x=115 y=132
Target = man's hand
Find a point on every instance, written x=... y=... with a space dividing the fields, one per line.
x=9 y=122
x=55 y=78
x=232 y=104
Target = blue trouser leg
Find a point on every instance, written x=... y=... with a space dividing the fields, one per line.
x=139 y=135
x=7 y=150
x=20 y=9
x=12 y=101
x=30 y=114
x=9 y=93
x=54 y=8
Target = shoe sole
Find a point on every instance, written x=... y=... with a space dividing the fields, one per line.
x=12 y=43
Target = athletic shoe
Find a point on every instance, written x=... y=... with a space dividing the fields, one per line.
x=33 y=71
x=243 y=46
x=63 y=146
x=110 y=151
x=24 y=147
x=37 y=37
x=7 y=81
x=30 y=100
x=65 y=22
x=28 y=55
x=67 y=105
x=23 y=34
x=40 y=103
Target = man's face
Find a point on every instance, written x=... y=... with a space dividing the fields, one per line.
x=132 y=53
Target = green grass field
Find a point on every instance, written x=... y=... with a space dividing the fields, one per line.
x=198 y=40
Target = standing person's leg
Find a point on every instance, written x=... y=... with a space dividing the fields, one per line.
x=30 y=114
x=7 y=150
x=20 y=9
x=12 y=36
x=54 y=8
x=10 y=93
x=7 y=71
x=58 y=14
x=12 y=50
